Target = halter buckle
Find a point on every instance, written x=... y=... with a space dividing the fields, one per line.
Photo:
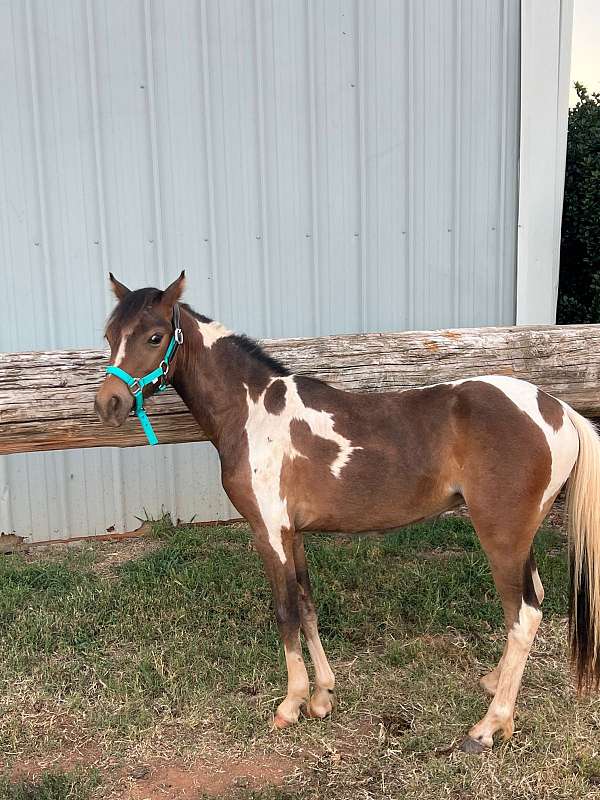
x=178 y=335
x=135 y=387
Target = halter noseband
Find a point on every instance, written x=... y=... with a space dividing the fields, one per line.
x=136 y=385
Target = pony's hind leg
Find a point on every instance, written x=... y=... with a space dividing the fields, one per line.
x=515 y=576
x=321 y=700
x=490 y=681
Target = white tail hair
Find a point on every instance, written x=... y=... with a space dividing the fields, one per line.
x=583 y=523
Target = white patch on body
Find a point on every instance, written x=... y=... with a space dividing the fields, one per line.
x=121 y=351
x=269 y=442
x=212 y=332
x=563 y=443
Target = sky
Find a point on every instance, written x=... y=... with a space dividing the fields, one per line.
x=585 y=52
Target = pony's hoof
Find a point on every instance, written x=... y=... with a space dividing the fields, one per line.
x=317 y=710
x=472 y=746
x=279 y=722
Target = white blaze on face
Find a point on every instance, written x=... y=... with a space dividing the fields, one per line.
x=122 y=345
x=269 y=442
x=563 y=443
x=212 y=332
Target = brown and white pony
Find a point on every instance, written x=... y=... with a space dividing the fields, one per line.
x=297 y=454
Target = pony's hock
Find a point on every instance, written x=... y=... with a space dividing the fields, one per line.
x=46 y=398
x=298 y=454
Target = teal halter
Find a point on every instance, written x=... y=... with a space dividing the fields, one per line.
x=158 y=375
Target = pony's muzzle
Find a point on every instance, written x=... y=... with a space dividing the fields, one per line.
x=113 y=404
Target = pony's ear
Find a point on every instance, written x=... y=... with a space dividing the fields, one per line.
x=173 y=292
x=119 y=289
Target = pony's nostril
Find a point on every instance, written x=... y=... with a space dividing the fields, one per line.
x=113 y=404
x=109 y=410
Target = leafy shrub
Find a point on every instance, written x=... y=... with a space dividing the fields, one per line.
x=579 y=289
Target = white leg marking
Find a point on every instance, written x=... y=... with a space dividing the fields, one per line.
x=212 y=332
x=538 y=586
x=269 y=442
x=121 y=351
x=500 y=713
x=298 y=687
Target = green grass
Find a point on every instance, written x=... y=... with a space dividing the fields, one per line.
x=51 y=786
x=168 y=649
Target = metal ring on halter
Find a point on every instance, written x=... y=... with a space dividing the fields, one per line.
x=178 y=334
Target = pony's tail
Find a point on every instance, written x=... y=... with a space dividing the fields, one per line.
x=583 y=520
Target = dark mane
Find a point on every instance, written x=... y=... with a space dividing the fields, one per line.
x=247 y=345
x=252 y=347
x=195 y=314
x=132 y=304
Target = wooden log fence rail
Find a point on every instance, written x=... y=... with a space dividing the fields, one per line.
x=46 y=398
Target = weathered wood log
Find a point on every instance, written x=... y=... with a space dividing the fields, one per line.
x=46 y=398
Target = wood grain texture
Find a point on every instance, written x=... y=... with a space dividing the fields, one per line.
x=46 y=398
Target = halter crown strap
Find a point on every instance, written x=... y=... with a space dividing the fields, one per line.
x=136 y=385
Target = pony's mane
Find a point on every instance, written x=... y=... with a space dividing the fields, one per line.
x=135 y=302
x=246 y=344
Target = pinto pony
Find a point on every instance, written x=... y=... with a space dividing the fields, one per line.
x=297 y=454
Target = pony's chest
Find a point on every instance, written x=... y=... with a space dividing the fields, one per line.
x=294 y=432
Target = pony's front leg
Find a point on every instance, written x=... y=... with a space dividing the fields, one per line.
x=275 y=545
x=321 y=701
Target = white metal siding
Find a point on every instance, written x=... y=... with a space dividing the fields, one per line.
x=546 y=27
x=317 y=167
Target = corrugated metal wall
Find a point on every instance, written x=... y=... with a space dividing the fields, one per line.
x=317 y=166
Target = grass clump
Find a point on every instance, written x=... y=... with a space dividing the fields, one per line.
x=51 y=786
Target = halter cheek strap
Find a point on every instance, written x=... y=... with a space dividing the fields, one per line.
x=158 y=375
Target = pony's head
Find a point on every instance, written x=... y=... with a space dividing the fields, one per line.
x=138 y=331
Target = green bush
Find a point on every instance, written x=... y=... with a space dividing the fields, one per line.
x=579 y=289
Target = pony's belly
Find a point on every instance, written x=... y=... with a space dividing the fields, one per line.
x=352 y=514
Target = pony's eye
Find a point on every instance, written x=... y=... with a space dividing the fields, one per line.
x=155 y=339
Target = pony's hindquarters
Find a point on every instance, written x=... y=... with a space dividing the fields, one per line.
x=583 y=520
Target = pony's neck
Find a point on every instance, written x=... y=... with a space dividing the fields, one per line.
x=212 y=371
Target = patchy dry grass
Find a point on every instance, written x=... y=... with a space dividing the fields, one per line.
x=143 y=670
